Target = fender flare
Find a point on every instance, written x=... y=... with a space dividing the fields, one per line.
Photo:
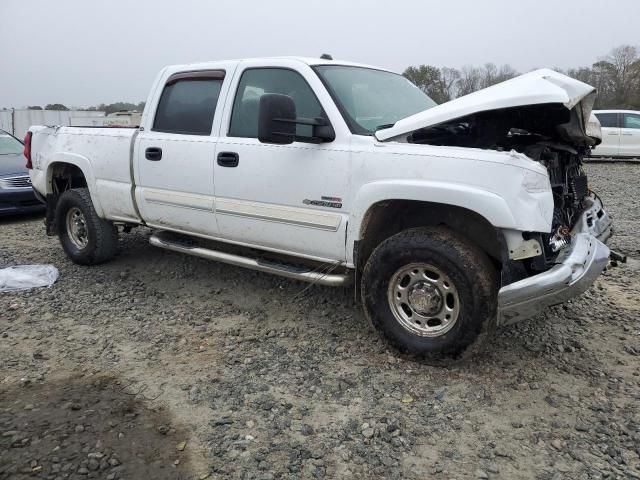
x=490 y=206
x=84 y=165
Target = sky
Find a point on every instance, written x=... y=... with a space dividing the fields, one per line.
x=86 y=52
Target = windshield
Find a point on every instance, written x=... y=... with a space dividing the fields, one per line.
x=9 y=145
x=372 y=99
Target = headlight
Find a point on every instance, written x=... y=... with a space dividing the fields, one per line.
x=534 y=182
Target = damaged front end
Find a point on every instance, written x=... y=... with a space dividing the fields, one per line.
x=575 y=268
x=541 y=133
x=545 y=116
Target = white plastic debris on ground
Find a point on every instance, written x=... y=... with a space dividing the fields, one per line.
x=24 y=277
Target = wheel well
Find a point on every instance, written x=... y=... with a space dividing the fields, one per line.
x=388 y=217
x=62 y=177
x=65 y=176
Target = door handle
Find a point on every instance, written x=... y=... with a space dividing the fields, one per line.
x=228 y=159
x=613 y=133
x=627 y=134
x=153 y=153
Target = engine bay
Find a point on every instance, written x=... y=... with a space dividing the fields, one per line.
x=549 y=134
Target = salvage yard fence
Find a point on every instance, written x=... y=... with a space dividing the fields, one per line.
x=17 y=122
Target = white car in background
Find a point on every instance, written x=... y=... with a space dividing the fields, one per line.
x=620 y=133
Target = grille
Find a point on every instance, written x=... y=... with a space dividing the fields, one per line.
x=18 y=181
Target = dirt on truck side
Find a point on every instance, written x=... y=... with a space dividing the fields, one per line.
x=183 y=368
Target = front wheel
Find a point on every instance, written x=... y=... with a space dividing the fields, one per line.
x=86 y=238
x=430 y=293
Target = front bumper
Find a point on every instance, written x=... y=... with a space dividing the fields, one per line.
x=578 y=265
x=19 y=200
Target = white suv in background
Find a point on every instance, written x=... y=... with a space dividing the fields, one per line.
x=620 y=133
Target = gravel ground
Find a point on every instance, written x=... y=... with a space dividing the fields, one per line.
x=159 y=365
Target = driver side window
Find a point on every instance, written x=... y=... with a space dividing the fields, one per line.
x=254 y=83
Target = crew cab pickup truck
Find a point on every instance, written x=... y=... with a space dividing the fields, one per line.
x=449 y=219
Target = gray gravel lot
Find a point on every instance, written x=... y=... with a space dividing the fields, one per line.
x=158 y=365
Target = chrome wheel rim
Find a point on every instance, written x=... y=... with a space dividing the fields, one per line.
x=77 y=228
x=424 y=300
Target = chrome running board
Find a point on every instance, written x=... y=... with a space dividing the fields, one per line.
x=305 y=274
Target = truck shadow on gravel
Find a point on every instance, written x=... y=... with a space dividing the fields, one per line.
x=86 y=428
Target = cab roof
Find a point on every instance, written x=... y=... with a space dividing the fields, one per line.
x=311 y=61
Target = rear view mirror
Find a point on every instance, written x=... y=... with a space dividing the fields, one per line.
x=277 y=119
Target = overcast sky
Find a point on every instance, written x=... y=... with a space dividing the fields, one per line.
x=85 y=52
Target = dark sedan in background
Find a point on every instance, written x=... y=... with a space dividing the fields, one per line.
x=16 y=195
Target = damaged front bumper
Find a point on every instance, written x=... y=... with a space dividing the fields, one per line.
x=578 y=266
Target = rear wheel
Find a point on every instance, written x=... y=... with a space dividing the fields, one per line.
x=86 y=238
x=431 y=293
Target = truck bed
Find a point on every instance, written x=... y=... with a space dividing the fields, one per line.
x=103 y=154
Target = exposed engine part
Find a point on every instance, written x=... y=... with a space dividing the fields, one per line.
x=560 y=238
x=579 y=187
x=568 y=180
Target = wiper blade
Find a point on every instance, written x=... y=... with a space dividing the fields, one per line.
x=386 y=125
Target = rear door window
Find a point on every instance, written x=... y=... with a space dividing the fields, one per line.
x=608 y=120
x=188 y=103
x=631 y=120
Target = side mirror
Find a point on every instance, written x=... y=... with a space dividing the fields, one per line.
x=277 y=119
x=277 y=122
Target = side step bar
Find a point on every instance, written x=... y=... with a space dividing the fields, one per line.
x=289 y=271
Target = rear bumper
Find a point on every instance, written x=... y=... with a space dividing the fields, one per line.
x=19 y=200
x=578 y=266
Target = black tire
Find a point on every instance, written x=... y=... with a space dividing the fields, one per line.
x=102 y=235
x=472 y=273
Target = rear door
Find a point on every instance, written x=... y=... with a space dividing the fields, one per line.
x=610 y=146
x=175 y=155
x=630 y=135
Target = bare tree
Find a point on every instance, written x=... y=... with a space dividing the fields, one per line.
x=470 y=80
x=623 y=63
x=450 y=77
x=492 y=74
x=506 y=72
x=616 y=78
x=489 y=75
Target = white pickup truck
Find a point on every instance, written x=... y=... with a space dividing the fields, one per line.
x=452 y=219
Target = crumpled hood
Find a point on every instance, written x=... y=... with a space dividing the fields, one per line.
x=542 y=86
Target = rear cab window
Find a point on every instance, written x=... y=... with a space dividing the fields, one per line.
x=188 y=103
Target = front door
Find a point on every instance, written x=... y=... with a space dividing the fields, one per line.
x=630 y=135
x=284 y=197
x=175 y=157
x=610 y=146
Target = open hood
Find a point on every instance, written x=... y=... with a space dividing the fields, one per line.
x=551 y=101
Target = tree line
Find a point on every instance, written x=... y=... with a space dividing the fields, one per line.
x=107 y=108
x=616 y=77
